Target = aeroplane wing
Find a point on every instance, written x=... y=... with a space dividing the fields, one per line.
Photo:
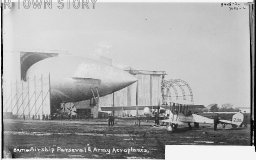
x=172 y=121
x=190 y=106
x=118 y=108
x=188 y=119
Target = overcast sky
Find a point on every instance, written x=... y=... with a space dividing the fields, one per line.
x=204 y=44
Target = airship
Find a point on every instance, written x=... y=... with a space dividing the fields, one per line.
x=74 y=78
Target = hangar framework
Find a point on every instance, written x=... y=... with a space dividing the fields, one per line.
x=175 y=90
x=27 y=99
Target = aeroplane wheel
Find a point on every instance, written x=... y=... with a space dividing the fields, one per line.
x=234 y=126
x=196 y=125
x=170 y=127
x=175 y=126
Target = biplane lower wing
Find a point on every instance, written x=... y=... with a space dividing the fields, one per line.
x=194 y=118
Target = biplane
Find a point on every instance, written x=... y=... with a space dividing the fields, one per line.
x=179 y=114
x=182 y=114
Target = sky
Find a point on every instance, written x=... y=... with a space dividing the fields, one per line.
x=204 y=44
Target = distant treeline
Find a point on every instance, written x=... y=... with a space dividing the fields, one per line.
x=223 y=108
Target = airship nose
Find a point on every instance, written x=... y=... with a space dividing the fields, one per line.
x=126 y=79
x=111 y=78
x=117 y=79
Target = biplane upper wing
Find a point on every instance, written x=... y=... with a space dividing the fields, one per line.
x=118 y=108
x=190 y=106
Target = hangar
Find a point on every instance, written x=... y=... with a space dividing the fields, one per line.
x=32 y=97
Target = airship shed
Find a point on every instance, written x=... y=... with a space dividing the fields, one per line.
x=30 y=98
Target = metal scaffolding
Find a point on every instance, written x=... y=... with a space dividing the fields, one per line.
x=176 y=90
x=27 y=99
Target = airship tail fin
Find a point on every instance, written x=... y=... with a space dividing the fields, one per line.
x=27 y=59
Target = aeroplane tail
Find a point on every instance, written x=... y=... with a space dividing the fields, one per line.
x=238 y=119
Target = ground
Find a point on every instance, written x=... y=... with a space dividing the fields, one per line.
x=95 y=139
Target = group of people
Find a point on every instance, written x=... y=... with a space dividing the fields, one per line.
x=37 y=117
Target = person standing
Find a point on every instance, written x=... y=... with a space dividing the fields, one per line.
x=245 y=119
x=109 y=120
x=216 y=121
x=112 y=120
x=189 y=126
x=156 y=119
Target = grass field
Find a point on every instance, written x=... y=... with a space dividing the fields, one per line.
x=95 y=139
